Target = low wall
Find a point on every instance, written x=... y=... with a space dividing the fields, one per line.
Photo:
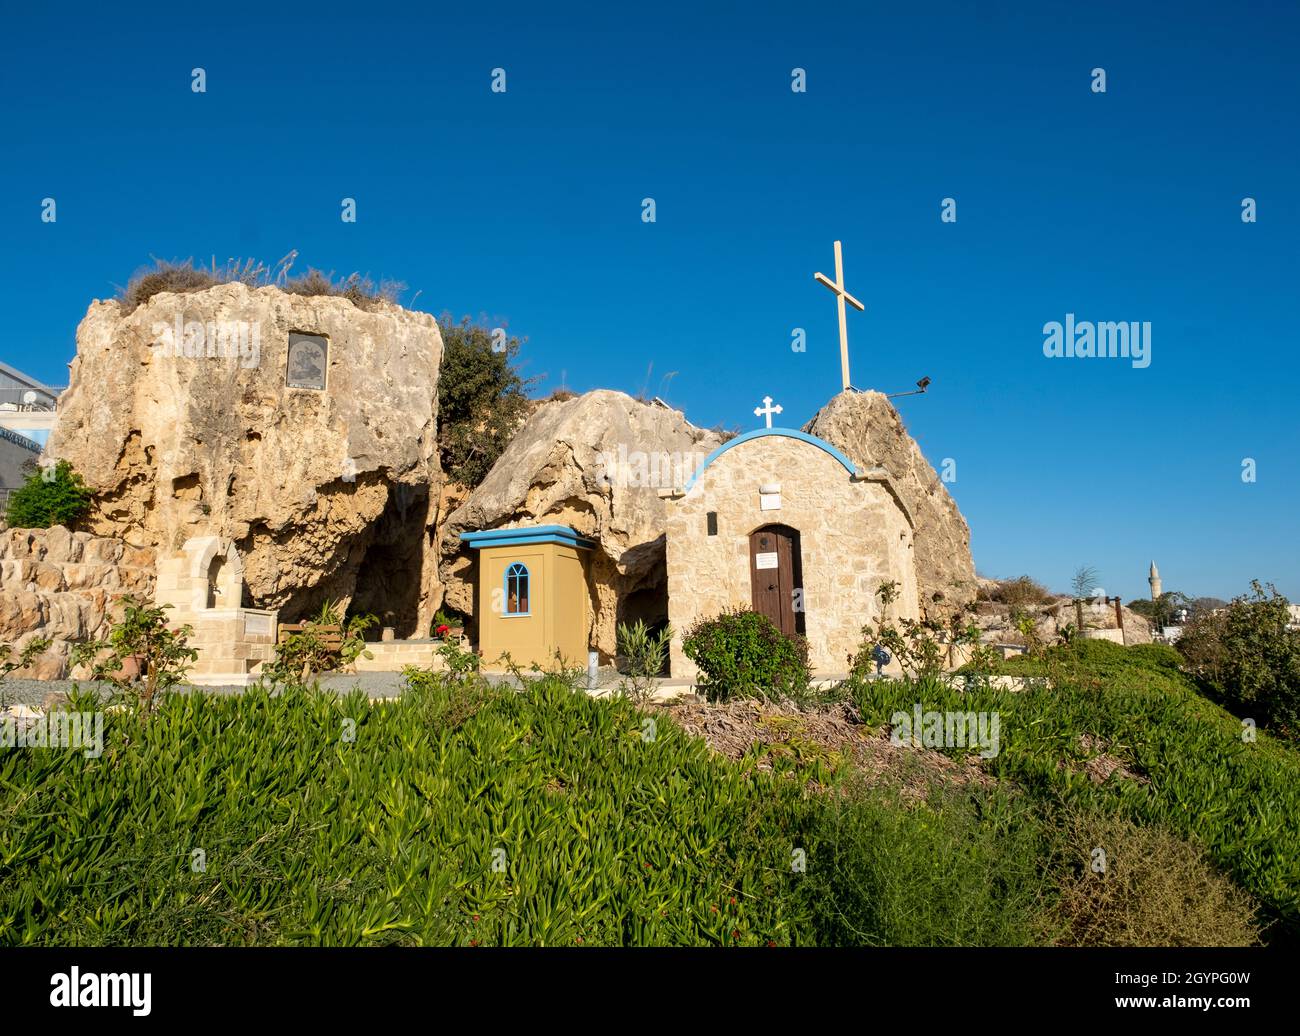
x=62 y=585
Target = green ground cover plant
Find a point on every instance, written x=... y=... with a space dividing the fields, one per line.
x=1187 y=764
x=469 y=814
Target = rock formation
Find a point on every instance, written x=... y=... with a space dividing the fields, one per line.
x=867 y=429
x=1054 y=616
x=595 y=462
x=180 y=416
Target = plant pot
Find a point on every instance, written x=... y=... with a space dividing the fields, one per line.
x=132 y=668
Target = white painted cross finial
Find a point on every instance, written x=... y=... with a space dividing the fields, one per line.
x=767 y=410
x=841 y=296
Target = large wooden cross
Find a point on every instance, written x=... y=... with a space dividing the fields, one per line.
x=841 y=296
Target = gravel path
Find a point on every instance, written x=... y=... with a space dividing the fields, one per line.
x=34 y=692
x=376 y=685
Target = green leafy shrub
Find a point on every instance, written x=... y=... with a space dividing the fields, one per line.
x=742 y=654
x=55 y=495
x=332 y=640
x=461 y=661
x=1248 y=658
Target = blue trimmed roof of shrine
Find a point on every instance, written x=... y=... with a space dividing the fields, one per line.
x=758 y=433
x=525 y=536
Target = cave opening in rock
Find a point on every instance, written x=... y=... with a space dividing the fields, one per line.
x=389 y=573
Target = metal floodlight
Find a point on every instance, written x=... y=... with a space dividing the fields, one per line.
x=921 y=386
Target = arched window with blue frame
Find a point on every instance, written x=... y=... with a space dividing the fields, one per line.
x=517 y=589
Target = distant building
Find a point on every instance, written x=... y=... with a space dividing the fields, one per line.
x=1153 y=578
x=27 y=406
x=27 y=413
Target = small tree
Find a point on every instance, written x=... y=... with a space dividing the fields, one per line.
x=1248 y=657
x=52 y=495
x=1084 y=583
x=1162 y=611
x=143 y=636
x=481 y=400
x=1082 y=586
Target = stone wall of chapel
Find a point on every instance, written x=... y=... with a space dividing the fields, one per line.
x=853 y=537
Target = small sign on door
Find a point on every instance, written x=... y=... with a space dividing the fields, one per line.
x=765 y=560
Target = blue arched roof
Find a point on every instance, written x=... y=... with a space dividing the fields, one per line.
x=758 y=433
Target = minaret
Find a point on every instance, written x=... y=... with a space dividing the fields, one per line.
x=1154 y=580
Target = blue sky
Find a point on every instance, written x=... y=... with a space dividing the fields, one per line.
x=526 y=207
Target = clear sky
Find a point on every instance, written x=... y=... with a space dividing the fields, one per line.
x=526 y=206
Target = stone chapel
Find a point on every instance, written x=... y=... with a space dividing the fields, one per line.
x=782 y=522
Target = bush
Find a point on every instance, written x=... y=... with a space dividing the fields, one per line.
x=1021 y=592
x=53 y=495
x=481 y=400
x=742 y=654
x=311 y=650
x=181 y=276
x=1126 y=885
x=645 y=655
x=953 y=870
x=1246 y=657
x=1185 y=762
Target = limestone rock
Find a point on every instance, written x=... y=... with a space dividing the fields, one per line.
x=316 y=488
x=867 y=429
x=595 y=462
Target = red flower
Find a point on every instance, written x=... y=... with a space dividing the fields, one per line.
x=736 y=934
x=442 y=631
x=578 y=939
x=770 y=942
x=473 y=942
x=733 y=900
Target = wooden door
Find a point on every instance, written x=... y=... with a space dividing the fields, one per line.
x=775 y=571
